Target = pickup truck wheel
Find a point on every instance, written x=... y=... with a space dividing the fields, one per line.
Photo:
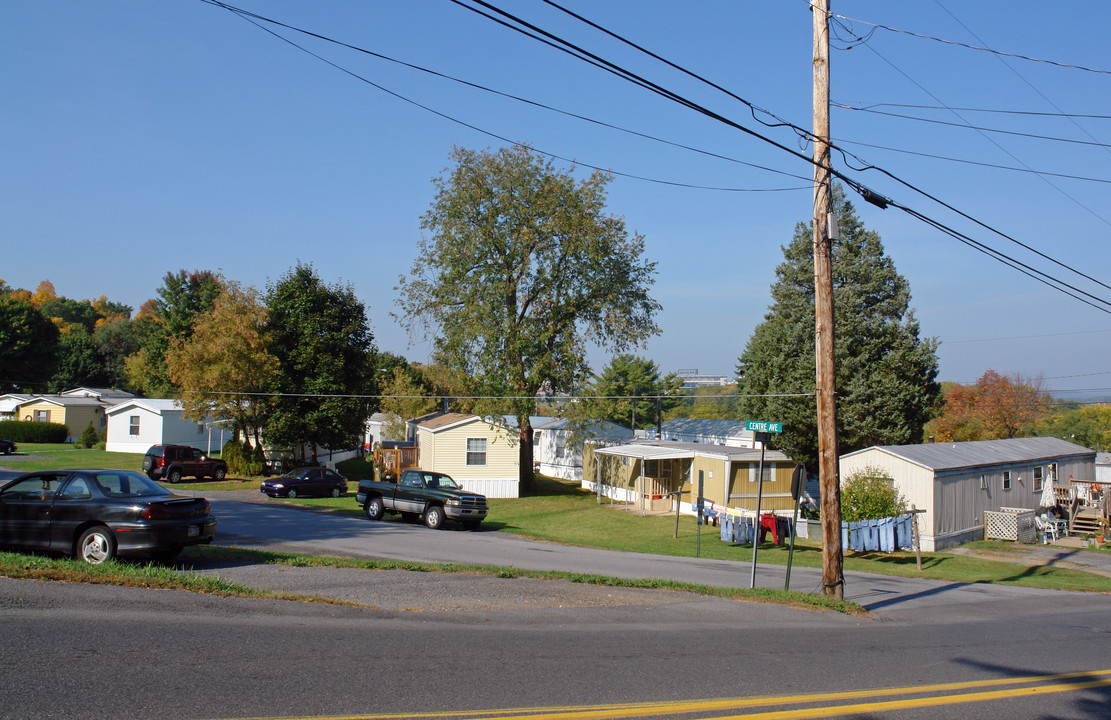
x=434 y=517
x=374 y=509
x=174 y=476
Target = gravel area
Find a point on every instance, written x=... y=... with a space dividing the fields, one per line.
x=440 y=592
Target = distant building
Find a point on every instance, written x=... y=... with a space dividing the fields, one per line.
x=692 y=378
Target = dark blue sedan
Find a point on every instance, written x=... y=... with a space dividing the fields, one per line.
x=96 y=514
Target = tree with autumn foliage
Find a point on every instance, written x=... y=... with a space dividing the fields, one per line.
x=996 y=406
x=522 y=270
x=225 y=365
x=1087 y=425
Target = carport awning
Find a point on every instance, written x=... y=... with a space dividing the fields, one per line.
x=645 y=452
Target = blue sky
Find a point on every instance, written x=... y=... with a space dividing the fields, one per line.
x=147 y=137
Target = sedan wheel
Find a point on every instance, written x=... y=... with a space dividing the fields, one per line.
x=336 y=492
x=291 y=494
x=96 y=545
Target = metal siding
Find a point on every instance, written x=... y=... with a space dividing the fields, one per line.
x=119 y=426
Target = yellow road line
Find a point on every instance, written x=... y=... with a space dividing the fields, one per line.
x=676 y=707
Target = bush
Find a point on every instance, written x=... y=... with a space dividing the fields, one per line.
x=89 y=437
x=256 y=463
x=33 y=432
x=232 y=454
x=870 y=494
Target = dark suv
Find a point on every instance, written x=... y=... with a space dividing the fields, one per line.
x=173 y=462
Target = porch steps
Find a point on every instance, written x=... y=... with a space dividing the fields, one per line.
x=1086 y=522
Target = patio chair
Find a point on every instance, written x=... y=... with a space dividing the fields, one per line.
x=1047 y=528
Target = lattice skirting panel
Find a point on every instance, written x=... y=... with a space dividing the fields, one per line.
x=1012 y=524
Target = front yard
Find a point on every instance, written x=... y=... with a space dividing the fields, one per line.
x=559 y=512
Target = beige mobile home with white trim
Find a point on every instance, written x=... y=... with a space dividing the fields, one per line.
x=481 y=455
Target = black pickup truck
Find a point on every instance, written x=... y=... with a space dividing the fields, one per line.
x=421 y=492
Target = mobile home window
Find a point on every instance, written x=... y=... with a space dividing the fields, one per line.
x=476 y=451
x=134 y=426
x=1006 y=479
x=983 y=482
x=1037 y=479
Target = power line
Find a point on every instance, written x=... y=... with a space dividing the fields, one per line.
x=1025 y=337
x=978 y=110
x=548 y=38
x=252 y=18
x=1044 y=179
x=1012 y=69
x=995 y=166
x=973 y=47
x=869 y=195
x=979 y=128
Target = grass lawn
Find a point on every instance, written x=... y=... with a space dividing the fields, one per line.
x=559 y=511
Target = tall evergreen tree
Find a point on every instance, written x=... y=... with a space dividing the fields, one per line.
x=627 y=389
x=183 y=298
x=886 y=375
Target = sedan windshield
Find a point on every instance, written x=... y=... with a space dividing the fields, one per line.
x=125 y=484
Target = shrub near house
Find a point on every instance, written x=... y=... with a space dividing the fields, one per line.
x=869 y=494
x=33 y=432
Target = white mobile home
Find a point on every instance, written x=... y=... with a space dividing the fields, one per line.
x=135 y=425
x=955 y=483
x=556 y=452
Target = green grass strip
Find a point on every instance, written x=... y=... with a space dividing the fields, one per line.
x=790 y=598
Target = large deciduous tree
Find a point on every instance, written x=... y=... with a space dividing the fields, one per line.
x=521 y=270
x=886 y=374
x=325 y=351
x=996 y=406
x=224 y=367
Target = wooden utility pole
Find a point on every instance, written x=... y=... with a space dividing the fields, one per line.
x=833 y=575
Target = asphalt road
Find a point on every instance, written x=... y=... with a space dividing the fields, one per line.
x=448 y=645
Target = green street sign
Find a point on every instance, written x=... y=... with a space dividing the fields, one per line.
x=765 y=427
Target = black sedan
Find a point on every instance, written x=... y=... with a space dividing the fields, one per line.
x=7 y=447
x=305 y=481
x=95 y=514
